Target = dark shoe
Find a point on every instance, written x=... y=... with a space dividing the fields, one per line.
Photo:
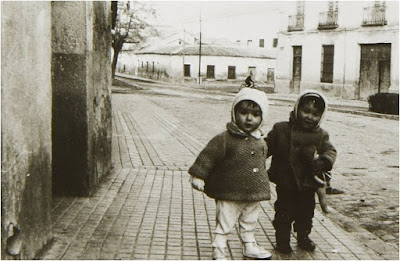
x=330 y=190
x=306 y=243
x=284 y=248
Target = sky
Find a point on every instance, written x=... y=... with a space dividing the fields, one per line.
x=226 y=19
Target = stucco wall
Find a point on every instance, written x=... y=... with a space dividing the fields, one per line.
x=99 y=87
x=171 y=66
x=125 y=62
x=346 y=39
x=350 y=13
x=26 y=128
x=346 y=72
x=81 y=95
x=54 y=106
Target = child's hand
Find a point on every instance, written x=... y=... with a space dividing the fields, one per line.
x=318 y=165
x=197 y=183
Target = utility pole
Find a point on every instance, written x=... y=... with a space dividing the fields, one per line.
x=183 y=55
x=200 y=52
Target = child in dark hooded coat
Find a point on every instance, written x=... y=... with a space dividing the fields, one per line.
x=293 y=145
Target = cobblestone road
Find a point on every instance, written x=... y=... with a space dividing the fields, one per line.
x=146 y=208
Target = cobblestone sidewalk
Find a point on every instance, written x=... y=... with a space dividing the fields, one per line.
x=146 y=208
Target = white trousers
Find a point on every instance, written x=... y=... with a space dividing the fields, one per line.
x=228 y=212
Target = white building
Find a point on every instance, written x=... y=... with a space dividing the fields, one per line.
x=346 y=49
x=180 y=63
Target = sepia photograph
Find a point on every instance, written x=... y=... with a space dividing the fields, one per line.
x=200 y=130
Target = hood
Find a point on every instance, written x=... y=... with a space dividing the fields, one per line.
x=258 y=97
x=310 y=93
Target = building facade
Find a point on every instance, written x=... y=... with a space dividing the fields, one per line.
x=56 y=113
x=217 y=63
x=347 y=49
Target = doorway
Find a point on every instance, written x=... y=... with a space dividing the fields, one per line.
x=271 y=75
x=296 y=75
x=252 y=71
x=374 y=69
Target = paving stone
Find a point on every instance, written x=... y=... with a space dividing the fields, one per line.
x=147 y=209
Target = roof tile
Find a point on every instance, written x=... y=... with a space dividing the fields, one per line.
x=210 y=50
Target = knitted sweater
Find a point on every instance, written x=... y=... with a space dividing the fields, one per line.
x=233 y=167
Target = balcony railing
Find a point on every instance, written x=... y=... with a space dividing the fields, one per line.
x=374 y=15
x=296 y=23
x=328 y=20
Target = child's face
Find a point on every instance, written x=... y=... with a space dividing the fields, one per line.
x=309 y=115
x=248 y=116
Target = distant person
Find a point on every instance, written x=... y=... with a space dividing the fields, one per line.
x=231 y=169
x=289 y=143
x=249 y=81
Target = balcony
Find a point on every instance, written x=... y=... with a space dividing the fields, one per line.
x=296 y=23
x=374 y=16
x=328 y=20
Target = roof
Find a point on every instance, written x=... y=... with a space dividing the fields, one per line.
x=210 y=50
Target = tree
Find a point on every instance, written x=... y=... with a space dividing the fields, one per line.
x=129 y=25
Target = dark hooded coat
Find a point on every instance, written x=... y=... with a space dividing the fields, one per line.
x=289 y=145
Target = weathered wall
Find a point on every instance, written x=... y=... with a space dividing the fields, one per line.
x=346 y=71
x=72 y=121
x=173 y=65
x=99 y=102
x=26 y=128
x=346 y=39
x=81 y=95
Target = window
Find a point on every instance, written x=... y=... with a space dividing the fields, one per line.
x=249 y=42
x=296 y=22
x=152 y=69
x=331 y=6
x=231 y=72
x=262 y=43
x=300 y=7
x=297 y=58
x=329 y=20
x=275 y=42
x=211 y=71
x=327 y=63
x=252 y=71
x=380 y=3
x=375 y=15
x=270 y=75
x=147 y=66
x=186 y=70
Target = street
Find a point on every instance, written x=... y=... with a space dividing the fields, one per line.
x=366 y=167
x=146 y=208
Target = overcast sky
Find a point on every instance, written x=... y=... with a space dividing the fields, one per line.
x=227 y=19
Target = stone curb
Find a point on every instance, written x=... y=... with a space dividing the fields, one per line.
x=346 y=109
x=356 y=110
